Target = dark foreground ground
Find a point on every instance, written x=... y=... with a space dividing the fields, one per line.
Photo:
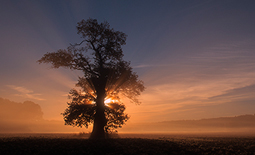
x=44 y=144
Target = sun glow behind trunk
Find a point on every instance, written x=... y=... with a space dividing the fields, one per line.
x=107 y=101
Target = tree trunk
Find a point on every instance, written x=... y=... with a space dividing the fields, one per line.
x=100 y=120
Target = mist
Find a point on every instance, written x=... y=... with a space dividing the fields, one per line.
x=237 y=125
x=27 y=117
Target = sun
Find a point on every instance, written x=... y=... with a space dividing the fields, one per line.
x=107 y=101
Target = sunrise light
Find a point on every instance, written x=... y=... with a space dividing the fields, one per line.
x=107 y=101
x=194 y=58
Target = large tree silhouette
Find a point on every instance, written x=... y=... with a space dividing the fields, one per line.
x=106 y=76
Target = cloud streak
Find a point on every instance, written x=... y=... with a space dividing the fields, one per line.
x=245 y=92
x=25 y=93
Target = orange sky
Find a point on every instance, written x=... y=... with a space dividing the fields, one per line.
x=195 y=58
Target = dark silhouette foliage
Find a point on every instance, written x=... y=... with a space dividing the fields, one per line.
x=106 y=75
x=82 y=113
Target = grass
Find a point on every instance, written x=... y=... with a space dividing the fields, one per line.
x=160 y=146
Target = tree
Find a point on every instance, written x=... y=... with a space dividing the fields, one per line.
x=106 y=76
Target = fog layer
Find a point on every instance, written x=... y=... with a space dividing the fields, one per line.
x=27 y=117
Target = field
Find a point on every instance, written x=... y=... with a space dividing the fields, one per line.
x=126 y=144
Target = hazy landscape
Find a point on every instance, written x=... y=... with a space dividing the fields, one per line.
x=20 y=134
x=243 y=124
x=27 y=117
x=171 y=76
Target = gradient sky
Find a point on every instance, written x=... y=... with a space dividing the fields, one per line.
x=196 y=58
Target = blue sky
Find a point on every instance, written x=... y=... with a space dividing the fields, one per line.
x=196 y=58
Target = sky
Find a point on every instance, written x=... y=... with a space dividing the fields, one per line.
x=196 y=57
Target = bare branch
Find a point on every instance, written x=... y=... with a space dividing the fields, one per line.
x=78 y=44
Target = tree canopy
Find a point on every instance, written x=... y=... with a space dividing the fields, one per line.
x=106 y=76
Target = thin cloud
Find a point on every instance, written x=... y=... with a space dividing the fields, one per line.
x=142 y=66
x=25 y=93
x=237 y=93
x=20 y=89
x=235 y=53
x=147 y=66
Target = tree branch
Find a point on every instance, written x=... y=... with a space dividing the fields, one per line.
x=89 y=68
x=76 y=44
x=98 y=53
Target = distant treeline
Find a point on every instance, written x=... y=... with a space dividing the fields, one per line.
x=27 y=117
x=237 y=123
